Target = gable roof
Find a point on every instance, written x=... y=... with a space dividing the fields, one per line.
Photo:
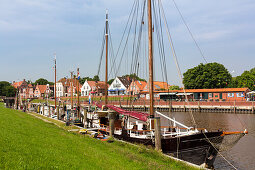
x=140 y=84
x=66 y=82
x=124 y=81
x=42 y=88
x=101 y=85
x=158 y=85
x=92 y=83
x=17 y=84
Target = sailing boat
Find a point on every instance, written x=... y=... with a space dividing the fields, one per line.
x=186 y=143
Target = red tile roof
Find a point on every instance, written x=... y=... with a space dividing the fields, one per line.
x=141 y=84
x=42 y=88
x=17 y=84
x=92 y=83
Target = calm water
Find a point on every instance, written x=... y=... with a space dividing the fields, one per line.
x=242 y=155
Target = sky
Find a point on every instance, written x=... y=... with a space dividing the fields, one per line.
x=31 y=31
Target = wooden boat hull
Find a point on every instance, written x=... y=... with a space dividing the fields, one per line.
x=194 y=148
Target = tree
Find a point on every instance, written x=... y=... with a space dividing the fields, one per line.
x=96 y=78
x=110 y=81
x=41 y=81
x=211 y=75
x=174 y=87
x=6 y=89
x=247 y=79
x=134 y=76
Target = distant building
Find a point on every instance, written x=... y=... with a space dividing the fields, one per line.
x=93 y=87
x=63 y=87
x=158 y=86
x=221 y=94
x=42 y=91
x=119 y=86
x=25 y=90
x=136 y=87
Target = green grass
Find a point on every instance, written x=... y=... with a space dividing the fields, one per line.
x=43 y=101
x=27 y=142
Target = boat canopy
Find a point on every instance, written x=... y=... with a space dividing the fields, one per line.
x=167 y=93
x=252 y=92
x=183 y=94
x=137 y=115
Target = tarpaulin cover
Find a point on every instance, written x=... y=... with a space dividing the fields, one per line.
x=137 y=115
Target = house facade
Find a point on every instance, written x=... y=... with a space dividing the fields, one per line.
x=119 y=86
x=63 y=87
x=136 y=87
x=25 y=89
x=93 y=87
x=87 y=87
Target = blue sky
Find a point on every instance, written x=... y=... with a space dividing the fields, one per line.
x=31 y=31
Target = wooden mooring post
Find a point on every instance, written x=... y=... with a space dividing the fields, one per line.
x=234 y=106
x=199 y=108
x=85 y=118
x=111 y=123
x=43 y=110
x=252 y=109
x=58 y=111
x=157 y=133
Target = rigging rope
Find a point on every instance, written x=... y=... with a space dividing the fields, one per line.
x=176 y=61
x=193 y=38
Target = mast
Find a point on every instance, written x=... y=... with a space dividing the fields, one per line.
x=55 y=81
x=78 y=91
x=151 y=88
x=106 y=58
x=71 y=83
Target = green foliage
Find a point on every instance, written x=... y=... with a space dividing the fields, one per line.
x=110 y=81
x=174 y=87
x=247 y=79
x=211 y=75
x=95 y=78
x=6 y=89
x=42 y=81
x=27 y=142
x=134 y=76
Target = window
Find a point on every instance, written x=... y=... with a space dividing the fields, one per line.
x=231 y=94
x=210 y=95
x=239 y=94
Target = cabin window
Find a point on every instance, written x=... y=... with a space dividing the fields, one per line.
x=210 y=95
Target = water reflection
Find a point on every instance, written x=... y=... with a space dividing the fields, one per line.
x=242 y=155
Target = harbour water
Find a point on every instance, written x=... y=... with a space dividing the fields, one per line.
x=242 y=154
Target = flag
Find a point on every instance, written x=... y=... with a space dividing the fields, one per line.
x=89 y=98
x=78 y=74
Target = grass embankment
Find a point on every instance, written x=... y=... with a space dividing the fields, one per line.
x=27 y=142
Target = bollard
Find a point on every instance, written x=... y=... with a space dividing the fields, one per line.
x=111 y=123
x=157 y=133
